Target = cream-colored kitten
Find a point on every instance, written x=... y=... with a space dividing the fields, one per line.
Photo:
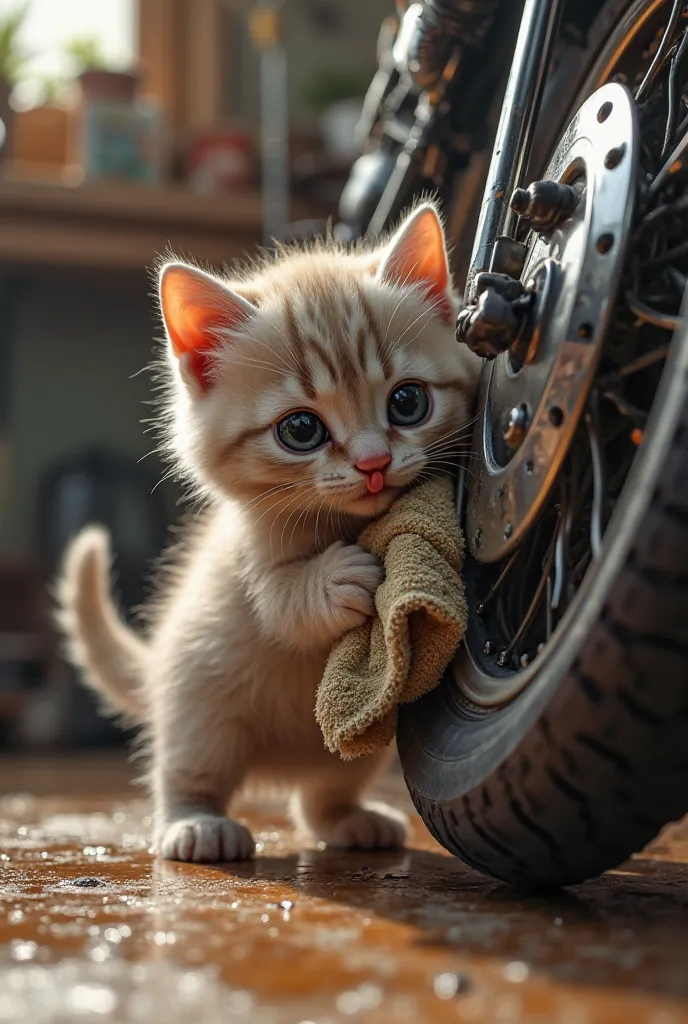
x=304 y=398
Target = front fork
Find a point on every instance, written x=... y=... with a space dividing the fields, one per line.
x=493 y=310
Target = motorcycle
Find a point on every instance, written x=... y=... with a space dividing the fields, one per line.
x=556 y=745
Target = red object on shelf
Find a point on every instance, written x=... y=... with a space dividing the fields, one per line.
x=220 y=161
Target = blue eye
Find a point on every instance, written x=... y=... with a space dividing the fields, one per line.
x=408 y=404
x=302 y=431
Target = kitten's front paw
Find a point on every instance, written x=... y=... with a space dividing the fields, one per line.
x=206 y=839
x=351 y=577
x=373 y=827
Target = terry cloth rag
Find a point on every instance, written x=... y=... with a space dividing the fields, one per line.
x=421 y=618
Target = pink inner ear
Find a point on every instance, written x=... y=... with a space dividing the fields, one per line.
x=196 y=310
x=418 y=257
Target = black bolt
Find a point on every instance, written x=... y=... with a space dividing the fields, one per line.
x=86 y=882
x=508 y=530
x=488 y=648
x=509 y=288
x=490 y=326
x=504 y=660
x=524 y=661
x=544 y=204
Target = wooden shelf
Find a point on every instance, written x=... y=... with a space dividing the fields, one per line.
x=121 y=227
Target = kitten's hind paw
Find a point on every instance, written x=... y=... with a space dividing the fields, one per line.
x=206 y=839
x=372 y=827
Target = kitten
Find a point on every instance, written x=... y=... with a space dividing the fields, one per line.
x=304 y=397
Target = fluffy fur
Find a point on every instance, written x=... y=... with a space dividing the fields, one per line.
x=270 y=577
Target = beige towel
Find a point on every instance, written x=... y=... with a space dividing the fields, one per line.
x=421 y=617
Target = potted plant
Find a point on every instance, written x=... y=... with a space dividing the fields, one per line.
x=99 y=82
x=42 y=130
x=13 y=57
x=117 y=136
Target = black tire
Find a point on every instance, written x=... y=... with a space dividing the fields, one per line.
x=591 y=760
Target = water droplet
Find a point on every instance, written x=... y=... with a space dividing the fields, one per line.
x=92 y=998
x=15 y=917
x=370 y=995
x=516 y=971
x=446 y=985
x=349 y=1003
x=99 y=954
x=23 y=950
x=286 y=904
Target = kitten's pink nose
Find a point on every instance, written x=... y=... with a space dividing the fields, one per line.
x=380 y=462
x=373 y=469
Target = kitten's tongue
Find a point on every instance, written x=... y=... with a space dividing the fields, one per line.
x=375 y=482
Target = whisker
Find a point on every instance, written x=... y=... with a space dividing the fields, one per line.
x=256 y=364
x=253 y=502
x=258 y=341
x=451 y=465
x=274 y=505
x=397 y=347
x=459 y=453
x=293 y=512
x=303 y=517
x=166 y=476
x=403 y=298
x=317 y=521
x=290 y=502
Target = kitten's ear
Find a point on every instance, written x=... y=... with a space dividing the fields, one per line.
x=198 y=312
x=417 y=255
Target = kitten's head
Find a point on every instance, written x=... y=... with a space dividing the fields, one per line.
x=323 y=379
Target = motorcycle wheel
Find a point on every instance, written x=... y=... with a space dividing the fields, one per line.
x=550 y=760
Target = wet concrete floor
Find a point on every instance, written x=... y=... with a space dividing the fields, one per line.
x=92 y=928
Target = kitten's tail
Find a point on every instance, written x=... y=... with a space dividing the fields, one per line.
x=108 y=652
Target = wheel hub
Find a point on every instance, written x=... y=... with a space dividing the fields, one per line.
x=543 y=337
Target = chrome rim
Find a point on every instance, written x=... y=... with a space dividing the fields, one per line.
x=525 y=575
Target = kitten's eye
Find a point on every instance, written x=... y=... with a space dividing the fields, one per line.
x=302 y=431
x=408 y=404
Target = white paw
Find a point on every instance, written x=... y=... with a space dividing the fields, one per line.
x=351 y=577
x=206 y=839
x=375 y=826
